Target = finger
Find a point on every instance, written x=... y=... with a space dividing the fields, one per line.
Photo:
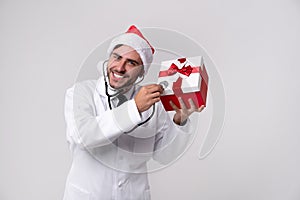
x=162 y=88
x=154 y=88
x=151 y=102
x=201 y=108
x=192 y=104
x=155 y=95
x=182 y=104
x=156 y=100
x=173 y=106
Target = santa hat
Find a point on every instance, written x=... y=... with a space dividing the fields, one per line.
x=135 y=39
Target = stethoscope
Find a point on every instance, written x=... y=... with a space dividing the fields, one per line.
x=122 y=90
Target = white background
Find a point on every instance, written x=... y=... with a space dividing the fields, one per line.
x=254 y=44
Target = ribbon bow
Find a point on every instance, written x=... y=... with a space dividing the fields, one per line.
x=185 y=70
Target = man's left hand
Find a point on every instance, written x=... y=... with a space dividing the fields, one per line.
x=183 y=112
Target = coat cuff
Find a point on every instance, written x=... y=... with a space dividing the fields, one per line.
x=126 y=116
x=185 y=127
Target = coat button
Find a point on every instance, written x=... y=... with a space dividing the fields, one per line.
x=120 y=184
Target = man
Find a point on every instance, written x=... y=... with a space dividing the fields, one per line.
x=114 y=126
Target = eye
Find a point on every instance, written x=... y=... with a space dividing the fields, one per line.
x=132 y=63
x=116 y=56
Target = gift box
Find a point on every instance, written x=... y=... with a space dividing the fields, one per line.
x=186 y=78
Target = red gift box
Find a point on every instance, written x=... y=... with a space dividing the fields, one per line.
x=186 y=78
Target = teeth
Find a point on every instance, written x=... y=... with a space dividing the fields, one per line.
x=118 y=76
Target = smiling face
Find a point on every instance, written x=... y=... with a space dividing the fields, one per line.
x=124 y=67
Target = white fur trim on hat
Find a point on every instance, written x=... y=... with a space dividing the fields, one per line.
x=137 y=43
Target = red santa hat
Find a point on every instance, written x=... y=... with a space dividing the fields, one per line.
x=135 y=39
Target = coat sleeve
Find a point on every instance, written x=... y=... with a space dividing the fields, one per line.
x=171 y=140
x=88 y=129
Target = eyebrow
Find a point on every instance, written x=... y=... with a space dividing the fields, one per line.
x=130 y=60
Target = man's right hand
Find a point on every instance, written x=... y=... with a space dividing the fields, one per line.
x=147 y=96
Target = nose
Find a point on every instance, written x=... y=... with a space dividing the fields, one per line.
x=121 y=66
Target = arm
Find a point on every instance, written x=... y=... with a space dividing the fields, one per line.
x=89 y=129
x=172 y=138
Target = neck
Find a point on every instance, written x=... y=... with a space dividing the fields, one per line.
x=115 y=91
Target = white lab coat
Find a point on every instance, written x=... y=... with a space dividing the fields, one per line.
x=108 y=163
